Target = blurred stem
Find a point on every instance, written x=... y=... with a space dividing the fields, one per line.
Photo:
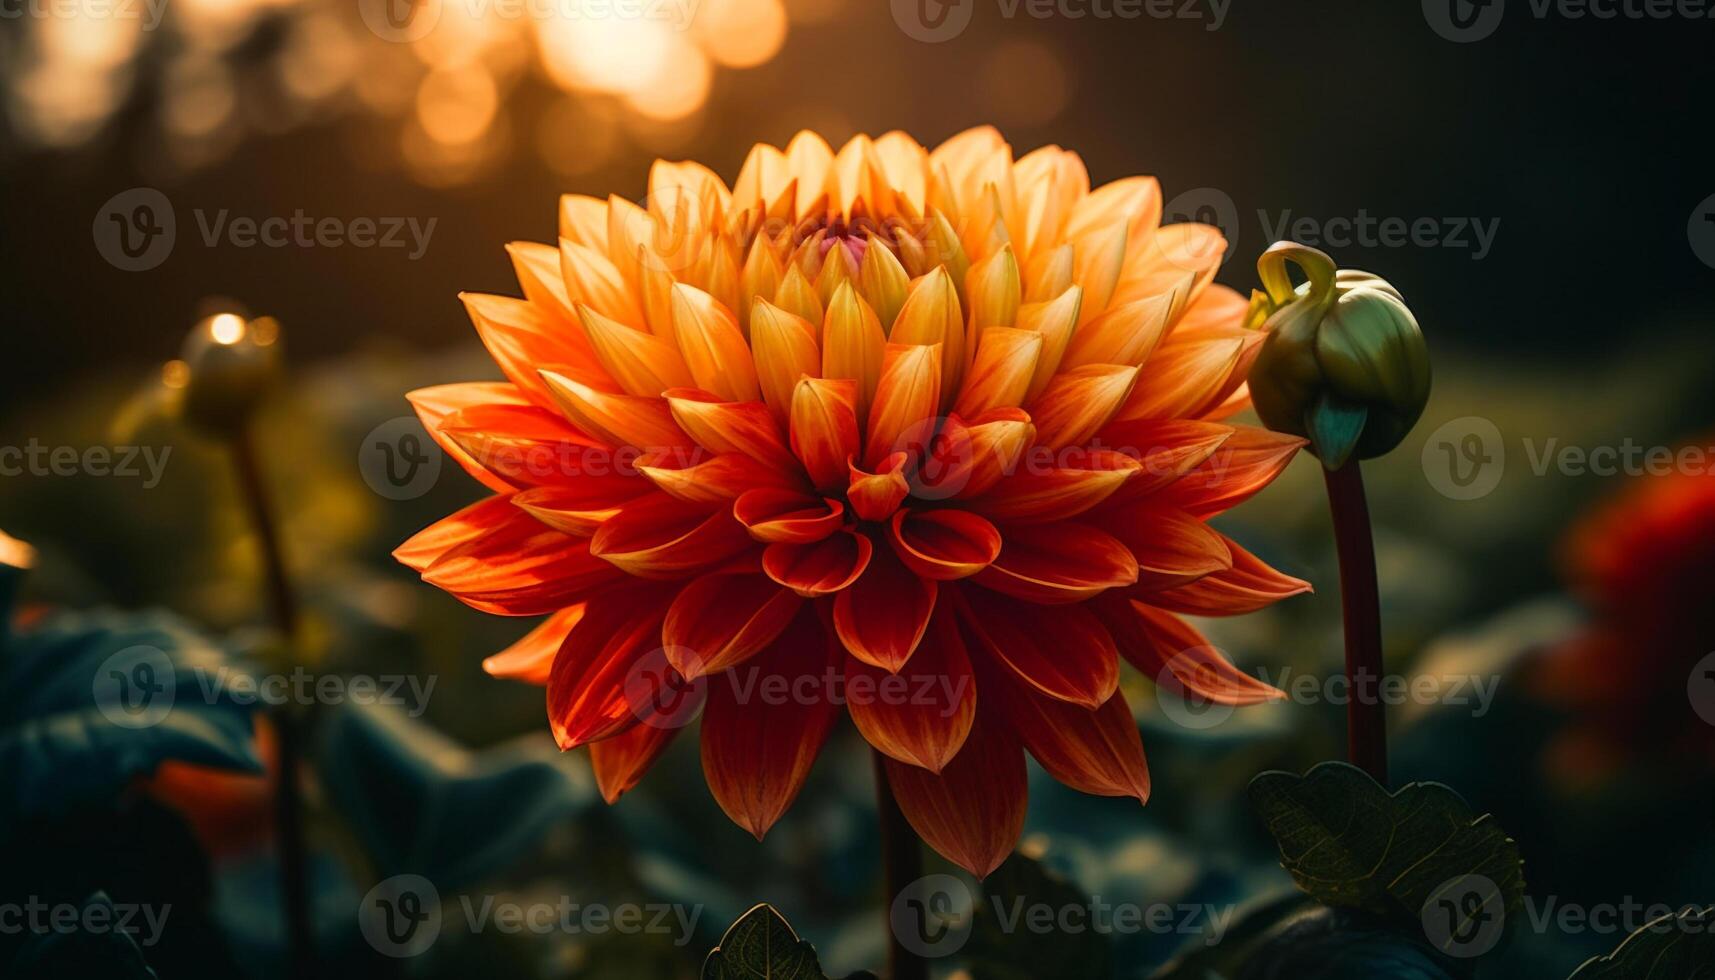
x=1366 y=720
x=288 y=801
x=902 y=861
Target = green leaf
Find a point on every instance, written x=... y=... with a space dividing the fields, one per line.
x=1673 y=947
x=1349 y=844
x=762 y=946
x=69 y=736
x=1335 y=427
x=1003 y=944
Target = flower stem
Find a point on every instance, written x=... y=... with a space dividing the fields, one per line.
x=1366 y=720
x=288 y=801
x=902 y=861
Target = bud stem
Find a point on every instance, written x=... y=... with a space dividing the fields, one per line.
x=1366 y=719
x=902 y=861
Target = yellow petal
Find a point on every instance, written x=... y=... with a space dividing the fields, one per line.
x=640 y=362
x=824 y=428
x=1055 y=321
x=906 y=165
x=810 y=161
x=853 y=346
x=931 y=316
x=838 y=268
x=943 y=248
x=995 y=291
x=538 y=269
x=906 y=397
x=583 y=219
x=1049 y=275
x=760 y=277
x=618 y=420
x=592 y=280
x=797 y=297
x=1097 y=261
x=713 y=348
x=1077 y=403
x=883 y=282
x=1001 y=372
x=1123 y=335
x=723 y=279
x=656 y=285
x=1134 y=202
x=785 y=350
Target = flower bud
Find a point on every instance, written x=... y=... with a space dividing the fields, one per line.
x=1344 y=365
x=229 y=364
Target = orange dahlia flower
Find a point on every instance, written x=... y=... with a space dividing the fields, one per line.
x=928 y=435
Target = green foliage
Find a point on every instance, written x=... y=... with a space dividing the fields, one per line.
x=762 y=946
x=1003 y=945
x=1673 y=947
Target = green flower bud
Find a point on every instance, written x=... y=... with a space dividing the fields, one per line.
x=225 y=371
x=1344 y=365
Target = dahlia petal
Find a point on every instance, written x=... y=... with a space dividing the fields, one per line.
x=732 y=427
x=907 y=396
x=875 y=496
x=931 y=316
x=1058 y=563
x=1126 y=334
x=1049 y=274
x=946 y=467
x=1134 y=200
x=718 y=478
x=996 y=442
x=583 y=219
x=1249 y=585
x=810 y=162
x=620 y=762
x=1098 y=258
x=1182 y=257
x=1061 y=651
x=527 y=446
x=774 y=515
x=587 y=695
x=515 y=569
x=723 y=619
x=531 y=658
x=618 y=420
x=921 y=715
x=426 y=546
x=822 y=568
x=1077 y=403
x=1000 y=375
x=1245 y=463
x=883 y=284
x=581 y=507
x=824 y=428
x=972 y=812
x=943 y=544
x=853 y=346
x=712 y=346
x=1055 y=319
x=882 y=616
x=593 y=280
x=1098 y=752
x=797 y=296
x=521 y=340
x=658 y=537
x=785 y=349
x=1166 y=449
x=760 y=277
x=1176 y=656
x=1172 y=548
x=906 y=165
x=639 y=362
x=995 y=290
x=1056 y=492
x=757 y=751
x=434 y=405
x=839 y=269
x=537 y=267
x=1188 y=375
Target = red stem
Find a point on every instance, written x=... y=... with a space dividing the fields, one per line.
x=1366 y=719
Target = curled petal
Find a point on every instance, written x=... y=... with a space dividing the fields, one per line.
x=972 y=812
x=1172 y=547
x=1063 y=652
x=882 y=616
x=824 y=429
x=875 y=496
x=996 y=442
x=722 y=619
x=713 y=347
x=1056 y=492
x=718 y=478
x=1176 y=656
x=907 y=397
x=757 y=752
x=943 y=544
x=787 y=516
x=1058 y=563
x=731 y=427
x=1245 y=463
x=659 y=537
x=1249 y=585
x=922 y=714
x=618 y=420
x=822 y=568
x=587 y=698
x=532 y=656
x=582 y=507
x=1000 y=376
x=1077 y=403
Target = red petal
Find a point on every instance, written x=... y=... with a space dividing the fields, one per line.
x=943 y=544
x=1166 y=448
x=881 y=618
x=531 y=658
x=580 y=508
x=521 y=340
x=922 y=714
x=825 y=567
x=426 y=546
x=517 y=569
x=824 y=428
x=527 y=446
x=1244 y=464
x=731 y=427
x=434 y=405
x=757 y=752
x=973 y=811
x=659 y=537
x=1061 y=651
x=1246 y=587
x=722 y=619
x=619 y=762
x=719 y=478
x=1067 y=484
x=1171 y=547
x=1176 y=656
x=875 y=496
x=785 y=515
x=1058 y=563
x=587 y=697
x=1097 y=752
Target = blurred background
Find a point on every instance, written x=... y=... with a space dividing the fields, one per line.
x=1559 y=252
